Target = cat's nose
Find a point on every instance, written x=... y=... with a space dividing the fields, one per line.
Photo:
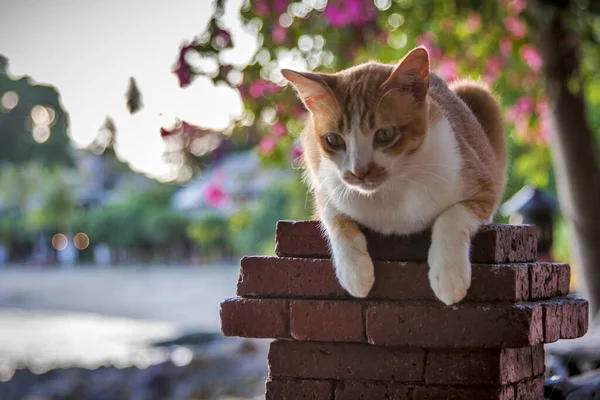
x=362 y=172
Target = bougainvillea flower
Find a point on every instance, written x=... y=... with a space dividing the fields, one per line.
x=165 y=132
x=260 y=87
x=223 y=35
x=448 y=70
x=505 y=46
x=183 y=70
x=278 y=129
x=267 y=145
x=261 y=8
x=280 y=6
x=474 y=22
x=214 y=196
x=340 y=13
x=278 y=34
x=531 y=57
x=516 y=27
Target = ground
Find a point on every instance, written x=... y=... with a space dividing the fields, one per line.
x=88 y=316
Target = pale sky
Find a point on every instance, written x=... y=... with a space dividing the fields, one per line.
x=88 y=49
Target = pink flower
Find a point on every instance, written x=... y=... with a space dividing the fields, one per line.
x=223 y=35
x=165 y=132
x=545 y=124
x=520 y=111
x=267 y=145
x=260 y=87
x=340 y=13
x=296 y=152
x=278 y=129
x=278 y=34
x=473 y=22
x=214 y=196
x=516 y=27
x=448 y=70
x=505 y=46
x=183 y=70
x=531 y=57
x=261 y=8
x=517 y=6
x=493 y=67
x=280 y=6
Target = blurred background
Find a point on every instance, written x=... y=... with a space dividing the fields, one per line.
x=146 y=146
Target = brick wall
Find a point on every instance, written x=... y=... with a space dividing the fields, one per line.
x=401 y=342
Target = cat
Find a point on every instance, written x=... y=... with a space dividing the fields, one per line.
x=397 y=150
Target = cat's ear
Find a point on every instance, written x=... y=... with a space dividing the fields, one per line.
x=312 y=88
x=412 y=73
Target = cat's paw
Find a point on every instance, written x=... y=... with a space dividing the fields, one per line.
x=355 y=272
x=449 y=275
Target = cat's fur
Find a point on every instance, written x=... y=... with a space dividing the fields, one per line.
x=445 y=170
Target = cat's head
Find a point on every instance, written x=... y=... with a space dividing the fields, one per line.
x=368 y=119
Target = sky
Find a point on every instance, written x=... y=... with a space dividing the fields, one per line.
x=88 y=49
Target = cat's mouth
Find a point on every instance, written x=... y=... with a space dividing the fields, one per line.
x=363 y=186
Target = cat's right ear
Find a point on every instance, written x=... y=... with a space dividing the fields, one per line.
x=312 y=88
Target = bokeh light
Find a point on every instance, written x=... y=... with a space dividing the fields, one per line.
x=40 y=115
x=60 y=241
x=9 y=100
x=81 y=241
x=41 y=133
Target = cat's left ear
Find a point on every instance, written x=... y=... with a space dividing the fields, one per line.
x=412 y=73
x=312 y=88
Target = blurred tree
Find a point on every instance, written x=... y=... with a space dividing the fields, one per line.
x=212 y=233
x=33 y=123
x=563 y=28
x=495 y=41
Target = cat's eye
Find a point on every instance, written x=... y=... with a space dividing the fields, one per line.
x=384 y=136
x=335 y=140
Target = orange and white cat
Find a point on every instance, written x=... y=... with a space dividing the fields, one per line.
x=394 y=149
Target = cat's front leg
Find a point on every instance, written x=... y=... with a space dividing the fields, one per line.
x=353 y=265
x=449 y=265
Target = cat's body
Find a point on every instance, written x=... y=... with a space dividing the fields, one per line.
x=411 y=154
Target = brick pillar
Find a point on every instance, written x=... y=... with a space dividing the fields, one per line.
x=401 y=342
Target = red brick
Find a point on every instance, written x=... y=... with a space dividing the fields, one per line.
x=532 y=389
x=478 y=366
x=255 y=318
x=552 y=321
x=544 y=281
x=466 y=325
x=574 y=322
x=564 y=278
x=361 y=390
x=499 y=282
x=288 y=277
x=292 y=389
x=315 y=278
x=538 y=360
x=344 y=361
x=465 y=393
x=491 y=244
x=327 y=320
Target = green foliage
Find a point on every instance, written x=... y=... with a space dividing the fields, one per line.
x=256 y=230
x=17 y=144
x=142 y=220
x=13 y=228
x=211 y=232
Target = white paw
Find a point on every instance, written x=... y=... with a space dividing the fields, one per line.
x=449 y=274
x=355 y=271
